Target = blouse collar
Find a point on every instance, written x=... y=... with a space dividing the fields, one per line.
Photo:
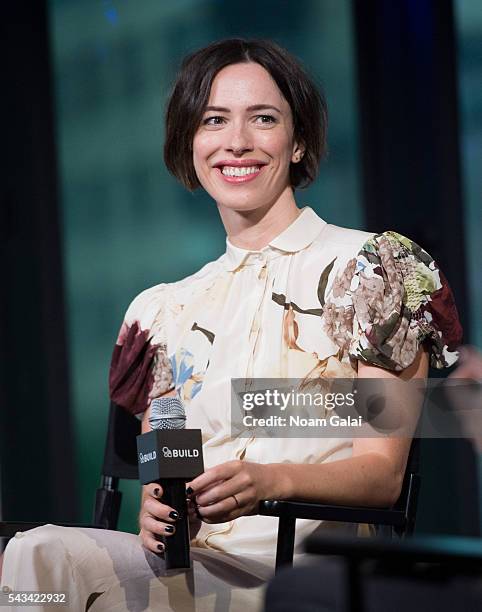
x=296 y=237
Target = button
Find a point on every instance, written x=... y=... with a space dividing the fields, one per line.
x=19 y=534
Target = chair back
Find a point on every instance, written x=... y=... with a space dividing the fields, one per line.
x=120 y=454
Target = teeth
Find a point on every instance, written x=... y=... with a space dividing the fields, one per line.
x=243 y=171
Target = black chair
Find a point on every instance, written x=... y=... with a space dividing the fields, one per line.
x=120 y=461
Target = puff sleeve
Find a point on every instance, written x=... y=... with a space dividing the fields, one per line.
x=140 y=368
x=400 y=299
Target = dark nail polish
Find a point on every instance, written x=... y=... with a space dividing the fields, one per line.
x=169 y=528
x=157 y=491
x=160 y=547
x=196 y=510
x=174 y=515
x=189 y=491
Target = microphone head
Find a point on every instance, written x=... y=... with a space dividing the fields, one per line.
x=167 y=413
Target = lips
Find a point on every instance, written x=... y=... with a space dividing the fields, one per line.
x=239 y=163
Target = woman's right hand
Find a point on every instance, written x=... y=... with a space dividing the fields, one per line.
x=157 y=519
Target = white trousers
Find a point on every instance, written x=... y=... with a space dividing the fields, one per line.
x=110 y=571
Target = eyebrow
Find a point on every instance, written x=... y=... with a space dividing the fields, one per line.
x=254 y=107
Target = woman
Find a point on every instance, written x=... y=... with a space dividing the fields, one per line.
x=292 y=297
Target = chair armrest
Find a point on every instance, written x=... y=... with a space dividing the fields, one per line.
x=326 y=512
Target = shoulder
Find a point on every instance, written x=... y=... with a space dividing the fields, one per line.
x=344 y=239
x=396 y=293
x=339 y=244
x=145 y=307
x=139 y=365
x=350 y=239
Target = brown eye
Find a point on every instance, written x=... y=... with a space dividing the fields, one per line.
x=265 y=119
x=217 y=120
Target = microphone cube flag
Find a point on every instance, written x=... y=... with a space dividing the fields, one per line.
x=170 y=453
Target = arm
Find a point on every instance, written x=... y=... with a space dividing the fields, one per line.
x=372 y=476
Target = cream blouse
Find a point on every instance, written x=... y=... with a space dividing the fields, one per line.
x=311 y=303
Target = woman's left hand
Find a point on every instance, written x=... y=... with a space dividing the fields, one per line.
x=230 y=490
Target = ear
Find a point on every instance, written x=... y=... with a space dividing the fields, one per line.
x=298 y=152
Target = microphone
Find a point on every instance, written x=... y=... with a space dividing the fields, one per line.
x=171 y=455
x=167 y=413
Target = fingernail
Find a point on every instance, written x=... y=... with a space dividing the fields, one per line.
x=169 y=528
x=174 y=515
x=196 y=510
x=189 y=491
x=160 y=547
x=157 y=491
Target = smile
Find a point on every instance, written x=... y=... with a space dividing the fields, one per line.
x=239 y=174
x=243 y=171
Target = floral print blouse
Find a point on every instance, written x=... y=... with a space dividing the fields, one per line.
x=314 y=302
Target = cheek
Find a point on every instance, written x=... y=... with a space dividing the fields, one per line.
x=279 y=145
x=200 y=157
x=202 y=149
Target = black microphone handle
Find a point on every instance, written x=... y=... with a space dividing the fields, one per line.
x=176 y=554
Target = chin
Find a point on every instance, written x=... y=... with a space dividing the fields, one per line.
x=240 y=206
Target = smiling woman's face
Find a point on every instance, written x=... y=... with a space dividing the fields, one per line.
x=244 y=146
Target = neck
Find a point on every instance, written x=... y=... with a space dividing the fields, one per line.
x=254 y=229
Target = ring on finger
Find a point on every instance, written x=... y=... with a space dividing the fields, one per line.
x=236 y=500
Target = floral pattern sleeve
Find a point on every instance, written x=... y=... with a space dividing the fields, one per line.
x=139 y=367
x=400 y=299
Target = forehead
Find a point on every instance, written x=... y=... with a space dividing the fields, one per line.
x=245 y=84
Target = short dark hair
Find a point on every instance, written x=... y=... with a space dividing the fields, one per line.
x=190 y=95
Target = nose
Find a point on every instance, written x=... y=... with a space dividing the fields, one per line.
x=239 y=139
